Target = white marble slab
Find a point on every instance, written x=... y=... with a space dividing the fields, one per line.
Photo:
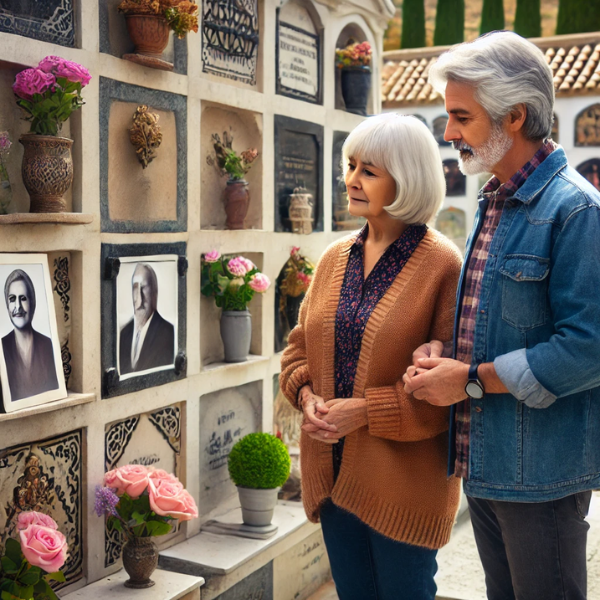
x=221 y=554
x=169 y=586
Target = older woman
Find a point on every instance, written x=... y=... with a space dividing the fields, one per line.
x=373 y=458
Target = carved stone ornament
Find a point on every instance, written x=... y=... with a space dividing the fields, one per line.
x=145 y=134
x=301 y=209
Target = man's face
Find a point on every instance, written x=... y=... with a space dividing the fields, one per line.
x=143 y=300
x=19 y=304
x=482 y=144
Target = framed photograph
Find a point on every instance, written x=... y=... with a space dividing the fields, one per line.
x=143 y=320
x=31 y=369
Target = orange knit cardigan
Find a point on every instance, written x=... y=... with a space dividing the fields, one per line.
x=393 y=474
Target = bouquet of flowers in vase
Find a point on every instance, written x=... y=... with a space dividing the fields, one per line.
x=230 y=163
x=180 y=15
x=231 y=281
x=28 y=565
x=297 y=274
x=50 y=92
x=354 y=55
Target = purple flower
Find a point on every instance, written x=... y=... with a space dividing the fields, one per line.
x=32 y=81
x=106 y=501
x=60 y=67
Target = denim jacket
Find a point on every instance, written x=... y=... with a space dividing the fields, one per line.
x=539 y=322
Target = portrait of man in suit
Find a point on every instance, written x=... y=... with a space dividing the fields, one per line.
x=28 y=354
x=147 y=341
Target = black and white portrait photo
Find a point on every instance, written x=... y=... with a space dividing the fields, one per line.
x=31 y=365
x=147 y=314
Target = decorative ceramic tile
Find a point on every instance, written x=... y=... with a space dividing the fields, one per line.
x=230 y=38
x=47 y=20
x=59 y=263
x=46 y=476
x=151 y=439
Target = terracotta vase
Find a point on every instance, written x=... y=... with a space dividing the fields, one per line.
x=140 y=559
x=150 y=34
x=47 y=171
x=236 y=197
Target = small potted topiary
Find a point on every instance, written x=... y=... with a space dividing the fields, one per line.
x=259 y=464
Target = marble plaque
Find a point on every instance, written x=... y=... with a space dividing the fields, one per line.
x=230 y=39
x=298 y=54
x=298 y=163
x=301 y=570
x=151 y=439
x=456 y=182
x=257 y=586
x=225 y=417
x=46 y=476
x=47 y=20
x=587 y=127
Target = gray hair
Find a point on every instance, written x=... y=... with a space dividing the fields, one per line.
x=405 y=148
x=505 y=70
x=20 y=275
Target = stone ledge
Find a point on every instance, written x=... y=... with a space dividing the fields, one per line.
x=45 y=218
x=71 y=400
x=169 y=586
x=252 y=359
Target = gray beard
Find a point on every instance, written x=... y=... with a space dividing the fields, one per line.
x=488 y=155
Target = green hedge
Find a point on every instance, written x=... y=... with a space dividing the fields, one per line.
x=259 y=460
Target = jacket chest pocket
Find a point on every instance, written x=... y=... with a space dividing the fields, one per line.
x=525 y=290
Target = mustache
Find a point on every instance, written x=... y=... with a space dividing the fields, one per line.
x=462 y=147
x=18 y=313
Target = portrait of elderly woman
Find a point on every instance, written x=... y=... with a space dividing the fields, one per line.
x=30 y=361
x=373 y=458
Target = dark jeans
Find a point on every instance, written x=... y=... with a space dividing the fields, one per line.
x=533 y=551
x=369 y=566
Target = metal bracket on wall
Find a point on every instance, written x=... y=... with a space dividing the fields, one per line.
x=180 y=364
x=111 y=378
x=111 y=267
x=182 y=265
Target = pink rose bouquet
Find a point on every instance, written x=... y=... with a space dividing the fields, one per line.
x=231 y=280
x=50 y=92
x=141 y=502
x=354 y=55
x=29 y=564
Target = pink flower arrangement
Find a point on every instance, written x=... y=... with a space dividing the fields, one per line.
x=231 y=281
x=354 y=55
x=30 y=563
x=153 y=498
x=55 y=79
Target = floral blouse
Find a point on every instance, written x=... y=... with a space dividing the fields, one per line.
x=358 y=299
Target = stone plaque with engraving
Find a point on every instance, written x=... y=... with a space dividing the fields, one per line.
x=298 y=54
x=225 y=417
x=298 y=164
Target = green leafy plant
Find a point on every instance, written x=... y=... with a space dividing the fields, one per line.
x=180 y=15
x=228 y=161
x=259 y=461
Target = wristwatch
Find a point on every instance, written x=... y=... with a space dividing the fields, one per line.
x=474 y=388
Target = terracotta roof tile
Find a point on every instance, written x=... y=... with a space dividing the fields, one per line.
x=573 y=59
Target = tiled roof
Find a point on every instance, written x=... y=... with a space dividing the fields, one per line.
x=574 y=60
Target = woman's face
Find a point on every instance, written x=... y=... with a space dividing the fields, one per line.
x=370 y=189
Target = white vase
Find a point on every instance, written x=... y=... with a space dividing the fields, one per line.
x=257 y=505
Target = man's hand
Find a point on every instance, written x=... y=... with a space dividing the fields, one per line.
x=345 y=414
x=432 y=349
x=442 y=384
x=314 y=408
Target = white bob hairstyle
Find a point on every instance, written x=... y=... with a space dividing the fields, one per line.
x=505 y=70
x=405 y=148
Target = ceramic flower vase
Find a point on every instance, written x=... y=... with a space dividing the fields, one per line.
x=236 y=333
x=356 y=87
x=140 y=559
x=47 y=171
x=236 y=197
x=150 y=34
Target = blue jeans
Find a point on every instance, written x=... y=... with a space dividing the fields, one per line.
x=533 y=551
x=369 y=566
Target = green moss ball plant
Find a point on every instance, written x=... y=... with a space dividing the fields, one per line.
x=259 y=461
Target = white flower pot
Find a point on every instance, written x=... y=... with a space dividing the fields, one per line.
x=257 y=505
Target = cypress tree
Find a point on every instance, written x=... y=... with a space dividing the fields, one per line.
x=528 y=19
x=577 y=16
x=449 y=22
x=492 y=16
x=413 y=24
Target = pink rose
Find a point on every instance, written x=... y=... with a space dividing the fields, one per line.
x=129 y=479
x=161 y=475
x=260 y=283
x=247 y=263
x=237 y=267
x=212 y=256
x=294 y=250
x=25 y=519
x=44 y=547
x=32 y=81
x=68 y=69
x=169 y=499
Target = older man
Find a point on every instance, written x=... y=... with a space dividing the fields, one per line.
x=525 y=374
x=28 y=354
x=148 y=340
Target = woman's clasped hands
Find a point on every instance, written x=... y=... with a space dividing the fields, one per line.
x=329 y=421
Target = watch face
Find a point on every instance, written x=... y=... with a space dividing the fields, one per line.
x=474 y=390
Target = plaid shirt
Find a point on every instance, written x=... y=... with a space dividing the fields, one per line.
x=497 y=195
